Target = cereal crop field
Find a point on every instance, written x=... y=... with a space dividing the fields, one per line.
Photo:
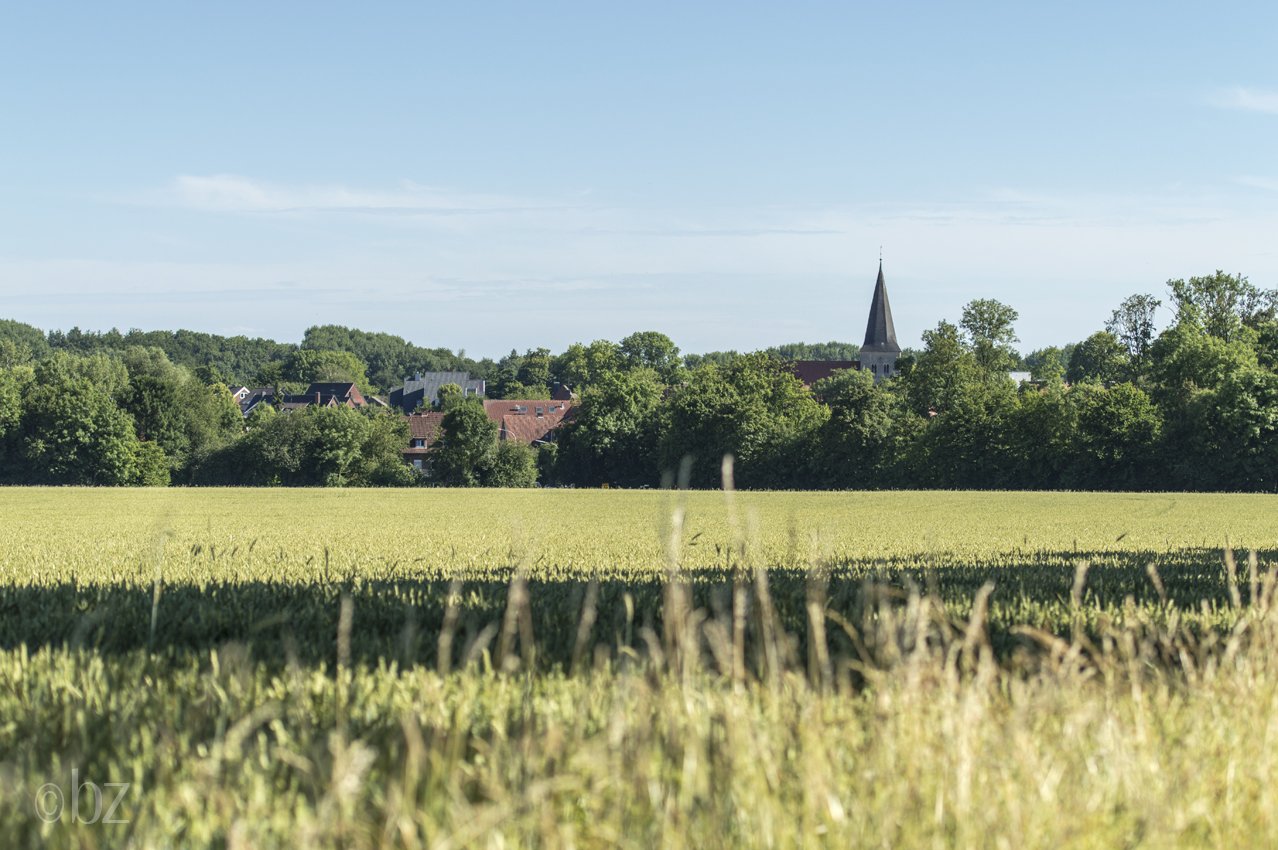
x=447 y=668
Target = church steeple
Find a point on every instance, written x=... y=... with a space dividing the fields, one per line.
x=880 y=335
x=879 y=351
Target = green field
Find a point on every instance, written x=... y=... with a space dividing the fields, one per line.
x=639 y=668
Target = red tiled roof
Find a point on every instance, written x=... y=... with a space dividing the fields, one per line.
x=423 y=426
x=527 y=427
x=426 y=425
x=811 y=371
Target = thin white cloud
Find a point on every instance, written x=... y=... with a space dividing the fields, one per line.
x=1248 y=100
x=1259 y=182
x=490 y=271
x=233 y=193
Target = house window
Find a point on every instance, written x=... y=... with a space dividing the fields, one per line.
x=541 y=411
x=417 y=463
x=874 y=367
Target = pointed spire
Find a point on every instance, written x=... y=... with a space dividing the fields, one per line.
x=880 y=335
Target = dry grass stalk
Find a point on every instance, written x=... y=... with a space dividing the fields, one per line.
x=586 y=625
x=451 y=611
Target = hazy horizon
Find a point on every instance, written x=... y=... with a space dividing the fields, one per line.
x=510 y=177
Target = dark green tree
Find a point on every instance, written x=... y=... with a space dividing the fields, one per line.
x=613 y=434
x=75 y=434
x=1118 y=431
x=990 y=330
x=449 y=396
x=1132 y=324
x=210 y=420
x=754 y=409
x=969 y=444
x=470 y=439
x=713 y=358
x=307 y=366
x=816 y=351
x=151 y=468
x=1042 y=430
x=24 y=336
x=1243 y=440
x=1222 y=304
x=315 y=446
x=1185 y=355
x=534 y=370
x=1047 y=365
x=582 y=365
x=856 y=447
x=943 y=368
x=210 y=375
x=651 y=350
x=389 y=359
x=14 y=384
x=512 y=464
x=156 y=407
x=1100 y=357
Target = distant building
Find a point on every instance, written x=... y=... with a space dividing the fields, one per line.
x=1021 y=377
x=878 y=352
x=423 y=388
x=343 y=394
x=253 y=396
x=298 y=401
x=529 y=421
x=811 y=371
x=424 y=433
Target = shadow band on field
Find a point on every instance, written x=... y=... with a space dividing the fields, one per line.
x=400 y=621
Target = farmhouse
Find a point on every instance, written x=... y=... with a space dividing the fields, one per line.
x=424 y=433
x=531 y=422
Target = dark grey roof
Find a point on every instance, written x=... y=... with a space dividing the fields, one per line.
x=879 y=333
x=425 y=386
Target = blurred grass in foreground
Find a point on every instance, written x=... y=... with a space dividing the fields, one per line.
x=672 y=680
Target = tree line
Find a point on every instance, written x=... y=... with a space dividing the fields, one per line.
x=153 y=408
x=1194 y=407
x=133 y=417
x=379 y=362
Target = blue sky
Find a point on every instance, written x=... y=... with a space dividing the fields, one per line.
x=497 y=176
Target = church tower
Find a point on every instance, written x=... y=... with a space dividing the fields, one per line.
x=879 y=351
